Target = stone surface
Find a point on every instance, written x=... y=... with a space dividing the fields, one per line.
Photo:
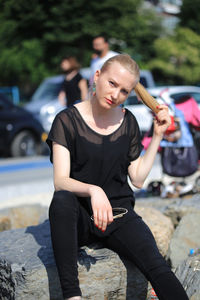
x=22 y=216
x=160 y=225
x=188 y=273
x=175 y=208
x=185 y=237
x=27 y=265
x=5 y=223
x=27 y=269
x=196 y=296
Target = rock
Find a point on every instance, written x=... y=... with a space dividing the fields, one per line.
x=5 y=223
x=185 y=237
x=188 y=273
x=22 y=216
x=174 y=208
x=196 y=296
x=160 y=225
x=27 y=269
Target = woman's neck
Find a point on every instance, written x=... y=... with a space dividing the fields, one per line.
x=100 y=112
x=71 y=75
x=103 y=117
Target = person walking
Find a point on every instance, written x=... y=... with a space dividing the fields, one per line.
x=95 y=145
x=74 y=86
x=101 y=53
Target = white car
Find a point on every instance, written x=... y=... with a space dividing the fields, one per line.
x=143 y=113
x=44 y=103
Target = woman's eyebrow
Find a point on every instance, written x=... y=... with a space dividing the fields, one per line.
x=116 y=83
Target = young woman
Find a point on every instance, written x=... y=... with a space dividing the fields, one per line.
x=74 y=85
x=94 y=146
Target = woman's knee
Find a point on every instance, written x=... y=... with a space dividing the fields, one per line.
x=63 y=202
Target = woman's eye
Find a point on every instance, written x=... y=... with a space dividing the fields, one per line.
x=125 y=92
x=111 y=83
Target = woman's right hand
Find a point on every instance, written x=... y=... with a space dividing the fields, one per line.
x=102 y=210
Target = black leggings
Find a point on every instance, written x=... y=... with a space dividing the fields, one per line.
x=71 y=227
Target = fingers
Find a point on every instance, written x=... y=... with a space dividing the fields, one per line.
x=104 y=221
x=95 y=217
x=162 y=116
x=110 y=216
x=162 y=106
x=103 y=218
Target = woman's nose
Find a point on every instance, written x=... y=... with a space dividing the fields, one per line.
x=115 y=93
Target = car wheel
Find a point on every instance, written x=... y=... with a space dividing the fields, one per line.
x=24 y=144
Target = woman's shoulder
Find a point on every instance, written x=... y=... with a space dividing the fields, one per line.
x=82 y=106
x=130 y=115
x=78 y=77
x=65 y=114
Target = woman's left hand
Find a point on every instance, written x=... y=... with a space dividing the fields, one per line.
x=162 y=120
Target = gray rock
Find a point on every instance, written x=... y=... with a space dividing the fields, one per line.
x=27 y=269
x=185 y=237
x=22 y=216
x=188 y=273
x=175 y=208
x=196 y=296
x=5 y=223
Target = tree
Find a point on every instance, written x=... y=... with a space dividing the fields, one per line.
x=190 y=16
x=178 y=58
x=35 y=35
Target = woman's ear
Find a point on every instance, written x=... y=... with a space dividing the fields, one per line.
x=96 y=75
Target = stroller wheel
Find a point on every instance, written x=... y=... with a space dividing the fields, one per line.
x=197 y=185
x=154 y=188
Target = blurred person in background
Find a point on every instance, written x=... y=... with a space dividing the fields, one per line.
x=74 y=85
x=101 y=53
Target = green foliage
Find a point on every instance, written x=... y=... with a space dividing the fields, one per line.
x=178 y=58
x=21 y=63
x=190 y=16
x=35 y=35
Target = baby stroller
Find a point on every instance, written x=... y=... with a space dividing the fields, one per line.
x=179 y=157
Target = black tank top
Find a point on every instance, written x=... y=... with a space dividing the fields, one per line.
x=71 y=88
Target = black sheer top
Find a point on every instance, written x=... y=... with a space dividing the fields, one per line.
x=98 y=159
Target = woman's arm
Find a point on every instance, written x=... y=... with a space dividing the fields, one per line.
x=102 y=210
x=140 y=168
x=83 y=88
x=62 y=98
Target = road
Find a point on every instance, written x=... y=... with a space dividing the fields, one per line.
x=25 y=178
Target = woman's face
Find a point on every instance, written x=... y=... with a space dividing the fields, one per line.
x=113 y=85
x=65 y=65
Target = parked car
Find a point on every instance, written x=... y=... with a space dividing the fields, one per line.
x=44 y=103
x=143 y=113
x=20 y=133
x=12 y=92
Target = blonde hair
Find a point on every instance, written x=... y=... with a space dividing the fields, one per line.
x=127 y=62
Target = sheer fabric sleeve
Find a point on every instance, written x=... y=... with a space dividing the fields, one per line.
x=135 y=146
x=62 y=132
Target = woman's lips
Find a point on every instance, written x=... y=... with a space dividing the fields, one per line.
x=109 y=101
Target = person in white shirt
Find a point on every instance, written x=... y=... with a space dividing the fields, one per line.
x=102 y=51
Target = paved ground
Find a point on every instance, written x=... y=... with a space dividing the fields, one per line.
x=30 y=180
x=27 y=180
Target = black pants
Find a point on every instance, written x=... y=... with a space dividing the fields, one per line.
x=71 y=227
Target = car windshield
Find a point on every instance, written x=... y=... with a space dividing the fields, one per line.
x=47 y=91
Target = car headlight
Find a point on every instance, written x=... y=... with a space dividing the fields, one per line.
x=47 y=110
